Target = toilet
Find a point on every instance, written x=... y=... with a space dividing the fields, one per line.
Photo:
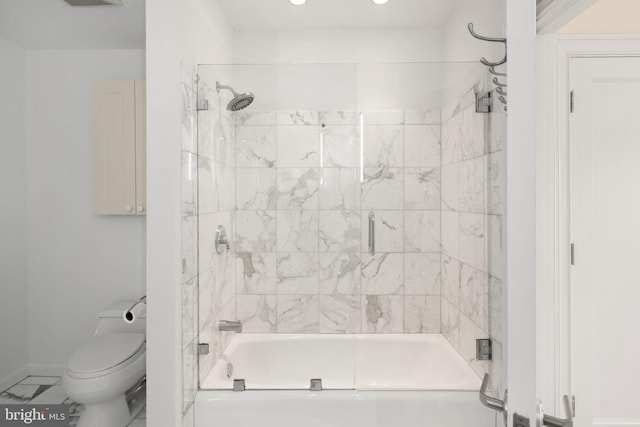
x=107 y=374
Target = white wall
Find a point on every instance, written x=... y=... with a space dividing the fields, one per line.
x=338 y=46
x=78 y=262
x=13 y=205
x=180 y=34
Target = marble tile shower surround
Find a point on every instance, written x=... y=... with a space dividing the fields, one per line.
x=304 y=188
x=472 y=195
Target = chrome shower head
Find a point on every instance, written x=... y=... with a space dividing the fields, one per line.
x=239 y=101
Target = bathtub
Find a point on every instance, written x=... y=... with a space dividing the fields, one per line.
x=368 y=380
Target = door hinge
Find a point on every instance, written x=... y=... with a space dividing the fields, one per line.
x=203 y=348
x=484 y=102
x=571 y=101
x=573 y=254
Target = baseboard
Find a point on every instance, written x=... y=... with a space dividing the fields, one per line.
x=42 y=370
x=11 y=379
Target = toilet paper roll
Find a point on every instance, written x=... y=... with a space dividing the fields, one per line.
x=138 y=310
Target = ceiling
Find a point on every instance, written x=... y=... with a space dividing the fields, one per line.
x=347 y=14
x=54 y=24
x=607 y=17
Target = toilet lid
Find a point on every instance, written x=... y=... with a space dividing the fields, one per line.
x=105 y=351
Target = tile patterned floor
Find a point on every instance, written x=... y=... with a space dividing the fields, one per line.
x=48 y=390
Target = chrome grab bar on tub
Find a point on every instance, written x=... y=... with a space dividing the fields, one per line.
x=551 y=421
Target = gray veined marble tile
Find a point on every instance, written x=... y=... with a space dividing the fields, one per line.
x=340 y=314
x=225 y=184
x=297 y=313
x=297 y=273
x=390 y=117
x=462 y=101
x=473 y=249
x=224 y=141
x=339 y=188
x=422 y=274
x=412 y=117
x=189 y=247
x=497 y=130
x=189 y=183
x=495 y=308
x=382 y=313
x=450 y=187
x=472 y=179
x=421 y=231
x=297 y=188
x=339 y=273
x=474 y=295
x=422 y=188
x=22 y=393
x=450 y=323
x=257 y=313
x=188 y=120
x=339 y=231
x=255 y=273
x=495 y=246
x=339 y=118
x=297 y=231
x=297 y=118
x=450 y=233
x=189 y=375
x=340 y=146
x=207 y=190
x=382 y=274
x=256 y=231
x=252 y=118
x=422 y=146
x=256 y=146
x=450 y=271
x=255 y=188
x=495 y=184
x=473 y=142
x=298 y=146
x=421 y=314
x=383 y=146
x=189 y=311
x=389 y=230
x=451 y=137
x=382 y=188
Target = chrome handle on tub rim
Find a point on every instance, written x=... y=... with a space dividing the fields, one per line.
x=492 y=402
x=372 y=233
x=551 y=421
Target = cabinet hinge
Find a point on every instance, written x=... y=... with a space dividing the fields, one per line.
x=571 y=101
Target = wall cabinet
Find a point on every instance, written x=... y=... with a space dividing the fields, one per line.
x=119 y=147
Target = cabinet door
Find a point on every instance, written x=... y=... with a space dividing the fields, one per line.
x=114 y=148
x=141 y=147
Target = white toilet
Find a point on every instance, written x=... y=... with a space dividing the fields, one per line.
x=107 y=373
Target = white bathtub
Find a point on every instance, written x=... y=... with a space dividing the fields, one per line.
x=368 y=381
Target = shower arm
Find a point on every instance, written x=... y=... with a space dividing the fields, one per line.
x=219 y=86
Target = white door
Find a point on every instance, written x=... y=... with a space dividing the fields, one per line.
x=605 y=229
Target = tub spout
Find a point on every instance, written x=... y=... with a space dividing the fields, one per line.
x=230 y=325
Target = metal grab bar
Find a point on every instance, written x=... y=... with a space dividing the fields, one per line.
x=488 y=401
x=372 y=233
x=552 y=421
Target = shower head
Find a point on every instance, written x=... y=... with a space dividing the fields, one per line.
x=239 y=101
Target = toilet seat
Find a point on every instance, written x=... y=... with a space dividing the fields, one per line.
x=106 y=353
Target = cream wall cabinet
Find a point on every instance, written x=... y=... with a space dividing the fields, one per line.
x=119 y=147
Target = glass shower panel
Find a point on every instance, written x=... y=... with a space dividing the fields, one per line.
x=281 y=177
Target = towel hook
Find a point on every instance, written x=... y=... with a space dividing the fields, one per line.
x=489 y=39
x=493 y=71
x=497 y=83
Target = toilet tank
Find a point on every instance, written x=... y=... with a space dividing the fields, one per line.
x=111 y=319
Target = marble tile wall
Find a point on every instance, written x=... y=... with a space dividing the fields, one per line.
x=472 y=195
x=306 y=182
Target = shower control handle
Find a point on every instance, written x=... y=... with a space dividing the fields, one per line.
x=222 y=240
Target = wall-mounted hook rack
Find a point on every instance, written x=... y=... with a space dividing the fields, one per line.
x=490 y=39
x=501 y=91
x=502 y=99
x=493 y=71
x=497 y=83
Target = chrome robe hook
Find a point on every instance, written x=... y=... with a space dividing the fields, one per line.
x=490 y=39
